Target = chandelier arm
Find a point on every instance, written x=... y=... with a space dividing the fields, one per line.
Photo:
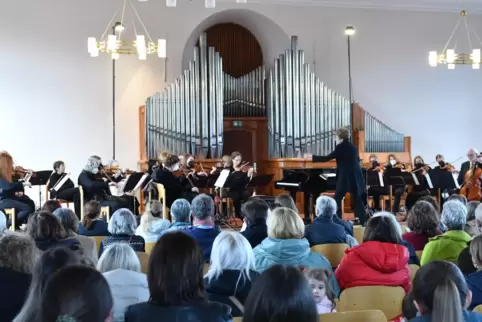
x=452 y=35
x=135 y=29
x=122 y=18
x=109 y=25
x=477 y=36
x=140 y=20
x=468 y=32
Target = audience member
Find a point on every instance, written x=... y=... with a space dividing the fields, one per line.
x=152 y=224
x=473 y=227
x=409 y=310
x=176 y=285
x=286 y=201
x=324 y=230
x=91 y=224
x=380 y=260
x=70 y=222
x=17 y=259
x=51 y=206
x=281 y=294
x=47 y=231
x=323 y=295
x=255 y=212
x=459 y=198
x=286 y=244
x=449 y=245
x=85 y=298
x=122 y=227
x=232 y=270
x=50 y=262
x=433 y=202
x=441 y=294
x=203 y=230
x=424 y=223
x=464 y=261
x=181 y=215
x=474 y=280
x=121 y=268
x=3 y=222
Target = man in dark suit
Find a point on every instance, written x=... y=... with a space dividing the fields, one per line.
x=348 y=173
x=467 y=165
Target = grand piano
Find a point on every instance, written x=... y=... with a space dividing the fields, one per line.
x=311 y=182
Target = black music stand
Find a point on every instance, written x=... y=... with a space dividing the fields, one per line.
x=133 y=184
x=397 y=177
x=443 y=180
x=40 y=178
x=260 y=181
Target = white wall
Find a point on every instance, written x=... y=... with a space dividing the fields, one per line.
x=55 y=101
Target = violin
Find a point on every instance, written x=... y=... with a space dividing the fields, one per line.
x=21 y=173
x=471 y=188
x=378 y=168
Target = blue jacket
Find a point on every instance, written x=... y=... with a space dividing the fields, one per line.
x=324 y=231
x=468 y=317
x=474 y=282
x=294 y=252
x=205 y=239
x=348 y=226
x=98 y=228
x=7 y=189
x=413 y=258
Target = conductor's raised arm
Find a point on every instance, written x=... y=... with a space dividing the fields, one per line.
x=321 y=158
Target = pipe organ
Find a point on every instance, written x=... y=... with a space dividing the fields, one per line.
x=380 y=138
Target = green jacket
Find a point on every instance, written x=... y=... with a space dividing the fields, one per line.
x=446 y=247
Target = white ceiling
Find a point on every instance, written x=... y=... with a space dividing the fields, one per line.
x=416 y=5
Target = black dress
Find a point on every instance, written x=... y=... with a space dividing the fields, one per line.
x=173 y=186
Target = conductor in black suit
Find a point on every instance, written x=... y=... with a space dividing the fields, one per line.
x=467 y=165
x=348 y=173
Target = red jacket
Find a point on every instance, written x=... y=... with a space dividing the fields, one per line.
x=374 y=264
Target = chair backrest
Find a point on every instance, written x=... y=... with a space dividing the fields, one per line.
x=149 y=247
x=105 y=212
x=98 y=241
x=358 y=232
x=333 y=252
x=387 y=299
x=10 y=212
x=162 y=198
x=413 y=270
x=206 y=268
x=144 y=259
x=238 y=319
x=81 y=196
x=478 y=309
x=354 y=316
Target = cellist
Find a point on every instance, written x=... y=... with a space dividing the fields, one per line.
x=467 y=165
x=472 y=181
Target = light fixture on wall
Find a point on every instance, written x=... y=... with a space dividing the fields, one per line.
x=115 y=46
x=449 y=57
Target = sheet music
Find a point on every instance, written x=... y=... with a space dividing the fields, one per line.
x=414 y=176
x=139 y=184
x=455 y=177
x=380 y=178
x=429 y=181
x=61 y=182
x=223 y=176
x=146 y=187
x=327 y=175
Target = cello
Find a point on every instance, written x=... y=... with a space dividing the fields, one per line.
x=472 y=180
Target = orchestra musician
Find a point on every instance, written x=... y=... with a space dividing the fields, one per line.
x=416 y=192
x=227 y=163
x=467 y=165
x=398 y=190
x=348 y=172
x=12 y=194
x=67 y=191
x=376 y=191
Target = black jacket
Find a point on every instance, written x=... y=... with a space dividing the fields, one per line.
x=55 y=177
x=94 y=188
x=7 y=189
x=229 y=284
x=463 y=170
x=349 y=177
x=324 y=231
x=172 y=185
x=14 y=293
x=202 y=312
x=255 y=233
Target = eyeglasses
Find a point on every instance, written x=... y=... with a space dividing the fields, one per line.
x=471 y=155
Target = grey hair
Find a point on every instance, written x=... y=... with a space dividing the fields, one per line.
x=3 y=222
x=18 y=252
x=231 y=250
x=393 y=221
x=454 y=215
x=119 y=256
x=202 y=207
x=69 y=221
x=181 y=210
x=471 y=207
x=92 y=163
x=122 y=222
x=325 y=206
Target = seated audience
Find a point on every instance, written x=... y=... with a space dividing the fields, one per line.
x=181 y=216
x=474 y=280
x=441 y=294
x=473 y=227
x=203 y=230
x=122 y=227
x=423 y=222
x=286 y=245
x=286 y=201
x=459 y=198
x=91 y=224
x=464 y=262
x=17 y=259
x=323 y=295
x=152 y=224
x=121 y=268
x=380 y=260
x=70 y=222
x=176 y=285
x=255 y=212
x=232 y=270
x=50 y=262
x=281 y=294
x=47 y=231
x=449 y=245
x=85 y=298
x=51 y=206
x=324 y=230
x=436 y=205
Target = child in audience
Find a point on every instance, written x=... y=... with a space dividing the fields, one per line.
x=322 y=293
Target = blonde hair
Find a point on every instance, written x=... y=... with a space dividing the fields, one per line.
x=154 y=212
x=6 y=166
x=284 y=223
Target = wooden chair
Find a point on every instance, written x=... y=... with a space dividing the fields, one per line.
x=354 y=316
x=149 y=247
x=161 y=191
x=98 y=241
x=61 y=201
x=10 y=212
x=413 y=270
x=105 y=212
x=384 y=298
x=419 y=254
x=144 y=259
x=358 y=232
x=238 y=319
x=206 y=268
x=333 y=252
x=478 y=309
x=81 y=196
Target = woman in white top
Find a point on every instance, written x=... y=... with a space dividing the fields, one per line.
x=152 y=224
x=121 y=268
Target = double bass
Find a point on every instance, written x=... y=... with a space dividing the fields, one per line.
x=472 y=180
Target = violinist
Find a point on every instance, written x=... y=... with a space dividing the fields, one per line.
x=190 y=171
x=12 y=193
x=227 y=164
x=376 y=191
x=238 y=181
x=67 y=191
x=420 y=170
x=398 y=190
x=467 y=165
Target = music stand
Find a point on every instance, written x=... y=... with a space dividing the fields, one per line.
x=40 y=178
x=443 y=180
x=133 y=183
x=260 y=181
x=397 y=177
